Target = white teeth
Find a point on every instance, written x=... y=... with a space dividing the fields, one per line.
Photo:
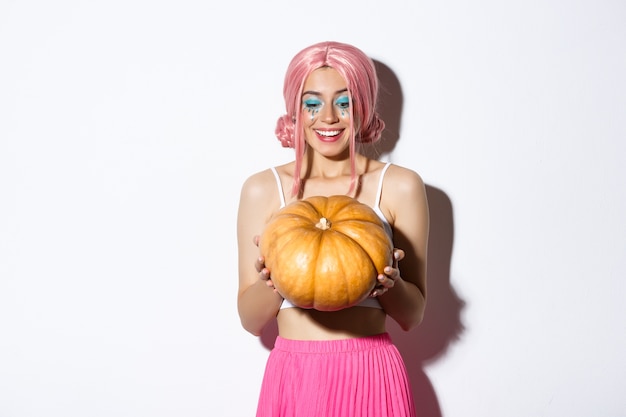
x=328 y=132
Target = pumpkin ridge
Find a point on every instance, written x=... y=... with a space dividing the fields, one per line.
x=368 y=239
x=319 y=208
x=358 y=245
x=297 y=282
x=349 y=209
x=331 y=241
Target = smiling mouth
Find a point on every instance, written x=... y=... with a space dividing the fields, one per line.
x=328 y=134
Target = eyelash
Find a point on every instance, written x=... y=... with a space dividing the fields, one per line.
x=312 y=104
x=343 y=103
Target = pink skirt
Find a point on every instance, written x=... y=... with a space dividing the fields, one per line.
x=336 y=378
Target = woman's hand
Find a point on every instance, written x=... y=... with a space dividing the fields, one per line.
x=391 y=273
x=259 y=265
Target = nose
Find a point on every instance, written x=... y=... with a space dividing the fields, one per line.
x=328 y=114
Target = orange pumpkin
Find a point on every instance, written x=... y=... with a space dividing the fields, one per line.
x=326 y=252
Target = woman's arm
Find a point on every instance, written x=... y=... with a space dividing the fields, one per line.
x=404 y=198
x=257 y=302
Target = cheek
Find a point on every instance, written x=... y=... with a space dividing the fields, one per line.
x=309 y=115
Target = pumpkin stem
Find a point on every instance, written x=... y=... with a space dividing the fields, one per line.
x=323 y=224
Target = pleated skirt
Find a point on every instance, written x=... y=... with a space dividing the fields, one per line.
x=361 y=377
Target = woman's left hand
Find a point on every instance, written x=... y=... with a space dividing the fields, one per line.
x=391 y=274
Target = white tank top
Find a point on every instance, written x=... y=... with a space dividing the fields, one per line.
x=368 y=302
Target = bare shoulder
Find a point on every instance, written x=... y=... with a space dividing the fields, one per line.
x=260 y=193
x=257 y=183
x=259 y=190
x=262 y=180
x=404 y=194
x=404 y=180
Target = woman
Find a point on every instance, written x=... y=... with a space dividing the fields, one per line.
x=341 y=363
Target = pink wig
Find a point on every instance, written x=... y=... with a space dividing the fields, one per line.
x=359 y=73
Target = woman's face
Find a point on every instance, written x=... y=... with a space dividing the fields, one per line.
x=326 y=112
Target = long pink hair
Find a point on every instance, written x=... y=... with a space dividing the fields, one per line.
x=358 y=70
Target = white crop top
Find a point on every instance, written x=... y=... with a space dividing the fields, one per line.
x=368 y=302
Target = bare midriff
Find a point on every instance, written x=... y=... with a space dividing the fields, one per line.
x=303 y=324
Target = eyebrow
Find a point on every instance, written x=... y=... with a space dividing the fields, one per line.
x=317 y=93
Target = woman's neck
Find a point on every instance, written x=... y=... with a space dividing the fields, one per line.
x=317 y=166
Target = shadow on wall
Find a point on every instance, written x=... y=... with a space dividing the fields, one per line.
x=390 y=102
x=442 y=320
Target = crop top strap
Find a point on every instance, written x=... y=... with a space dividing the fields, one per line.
x=281 y=194
x=379 y=194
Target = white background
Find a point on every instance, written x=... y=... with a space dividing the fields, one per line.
x=127 y=128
